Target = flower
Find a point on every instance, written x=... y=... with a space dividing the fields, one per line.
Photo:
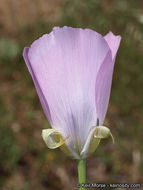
x=72 y=71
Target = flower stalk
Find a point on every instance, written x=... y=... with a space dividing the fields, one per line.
x=82 y=173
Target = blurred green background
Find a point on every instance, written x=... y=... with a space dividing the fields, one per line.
x=25 y=162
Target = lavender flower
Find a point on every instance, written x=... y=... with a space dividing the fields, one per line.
x=72 y=71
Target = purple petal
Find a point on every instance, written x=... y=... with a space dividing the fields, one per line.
x=39 y=91
x=104 y=77
x=113 y=42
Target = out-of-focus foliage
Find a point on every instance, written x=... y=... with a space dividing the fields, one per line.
x=25 y=162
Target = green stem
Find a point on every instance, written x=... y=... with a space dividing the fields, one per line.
x=82 y=172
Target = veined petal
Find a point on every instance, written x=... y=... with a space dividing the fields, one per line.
x=42 y=98
x=104 y=77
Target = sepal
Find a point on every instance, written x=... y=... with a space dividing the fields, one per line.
x=93 y=140
x=53 y=138
x=103 y=132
